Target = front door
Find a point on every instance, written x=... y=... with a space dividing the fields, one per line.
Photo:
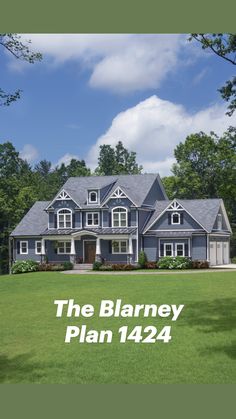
x=89 y=251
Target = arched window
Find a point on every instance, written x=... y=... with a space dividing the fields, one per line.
x=175 y=218
x=93 y=197
x=64 y=218
x=119 y=217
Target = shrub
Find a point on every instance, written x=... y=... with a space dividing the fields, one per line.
x=233 y=260
x=58 y=267
x=67 y=266
x=45 y=267
x=142 y=259
x=151 y=265
x=200 y=264
x=105 y=268
x=177 y=262
x=96 y=265
x=24 y=266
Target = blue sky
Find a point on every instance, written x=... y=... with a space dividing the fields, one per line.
x=148 y=91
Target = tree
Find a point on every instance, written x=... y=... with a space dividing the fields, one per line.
x=224 y=46
x=206 y=168
x=20 y=50
x=118 y=160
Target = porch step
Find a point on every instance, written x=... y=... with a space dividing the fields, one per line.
x=82 y=266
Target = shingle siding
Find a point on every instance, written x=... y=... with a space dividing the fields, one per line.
x=199 y=247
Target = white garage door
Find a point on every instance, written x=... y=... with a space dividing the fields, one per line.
x=219 y=253
x=225 y=252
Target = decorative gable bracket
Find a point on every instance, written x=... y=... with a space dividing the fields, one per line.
x=118 y=193
x=174 y=206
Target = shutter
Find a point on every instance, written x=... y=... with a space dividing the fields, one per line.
x=169 y=218
x=186 y=249
x=109 y=218
x=73 y=220
x=18 y=247
x=162 y=249
x=55 y=220
x=181 y=218
x=110 y=246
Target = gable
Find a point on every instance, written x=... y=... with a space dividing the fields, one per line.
x=186 y=222
x=61 y=197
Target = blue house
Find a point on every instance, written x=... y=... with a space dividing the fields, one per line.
x=113 y=218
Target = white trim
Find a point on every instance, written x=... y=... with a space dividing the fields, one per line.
x=90 y=191
x=183 y=249
x=120 y=253
x=27 y=247
x=222 y=206
x=172 y=215
x=83 y=233
x=92 y=212
x=189 y=244
x=36 y=251
x=58 y=213
x=115 y=197
x=168 y=244
x=112 y=217
x=59 y=199
x=175 y=206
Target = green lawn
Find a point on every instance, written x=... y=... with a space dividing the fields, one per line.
x=202 y=349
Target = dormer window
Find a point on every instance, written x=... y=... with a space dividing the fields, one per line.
x=93 y=197
x=219 y=222
x=175 y=218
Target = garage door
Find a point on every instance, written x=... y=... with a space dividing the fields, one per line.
x=219 y=253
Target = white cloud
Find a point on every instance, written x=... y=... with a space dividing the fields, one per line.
x=66 y=159
x=119 y=63
x=29 y=153
x=154 y=127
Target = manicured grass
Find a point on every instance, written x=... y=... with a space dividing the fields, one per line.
x=202 y=349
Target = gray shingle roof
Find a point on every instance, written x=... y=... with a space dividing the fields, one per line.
x=34 y=222
x=135 y=186
x=203 y=210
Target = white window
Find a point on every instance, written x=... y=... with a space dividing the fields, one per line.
x=175 y=218
x=219 y=222
x=64 y=218
x=119 y=246
x=179 y=249
x=23 y=247
x=93 y=197
x=63 y=248
x=119 y=217
x=168 y=249
x=38 y=247
x=92 y=219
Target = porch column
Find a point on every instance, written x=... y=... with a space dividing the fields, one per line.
x=72 y=248
x=130 y=245
x=43 y=247
x=98 y=246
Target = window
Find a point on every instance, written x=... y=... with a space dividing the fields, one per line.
x=119 y=217
x=93 y=197
x=179 y=249
x=219 y=222
x=64 y=218
x=119 y=246
x=63 y=248
x=92 y=219
x=168 y=249
x=24 y=248
x=38 y=247
x=175 y=218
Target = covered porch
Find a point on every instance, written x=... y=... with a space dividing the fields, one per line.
x=85 y=247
